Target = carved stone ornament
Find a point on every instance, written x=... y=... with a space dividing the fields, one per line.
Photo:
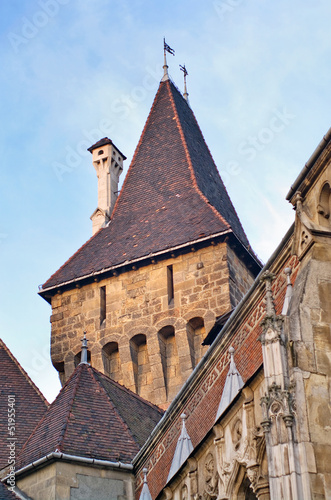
x=249 y=455
x=211 y=479
x=184 y=493
x=306 y=230
x=277 y=403
x=237 y=433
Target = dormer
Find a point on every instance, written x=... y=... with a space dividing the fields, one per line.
x=108 y=161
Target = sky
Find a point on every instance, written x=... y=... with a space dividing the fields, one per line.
x=74 y=71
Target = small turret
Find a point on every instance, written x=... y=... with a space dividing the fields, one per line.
x=108 y=163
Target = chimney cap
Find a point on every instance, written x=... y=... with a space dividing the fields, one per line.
x=103 y=142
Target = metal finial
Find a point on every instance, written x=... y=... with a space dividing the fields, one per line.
x=166 y=48
x=184 y=70
x=83 y=358
x=145 y=470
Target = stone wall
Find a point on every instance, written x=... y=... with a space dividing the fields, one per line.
x=68 y=481
x=145 y=327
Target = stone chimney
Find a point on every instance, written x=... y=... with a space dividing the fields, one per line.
x=108 y=163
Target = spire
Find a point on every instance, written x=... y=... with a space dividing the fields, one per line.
x=145 y=493
x=188 y=194
x=166 y=48
x=83 y=359
x=183 y=449
x=185 y=95
x=232 y=385
x=289 y=291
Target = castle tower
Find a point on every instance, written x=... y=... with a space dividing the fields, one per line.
x=169 y=259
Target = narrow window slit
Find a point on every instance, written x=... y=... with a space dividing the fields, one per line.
x=102 y=305
x=170 y=282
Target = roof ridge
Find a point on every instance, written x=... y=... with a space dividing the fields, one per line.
x=46 y=414
x=123 y=387
x=78 y=371
x=119 y=416
x=70 y=258
x=187 y=154
x=136 y=150
x=24 y=373
x=223 y=185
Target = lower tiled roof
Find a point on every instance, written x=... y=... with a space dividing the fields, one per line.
x=92 y=417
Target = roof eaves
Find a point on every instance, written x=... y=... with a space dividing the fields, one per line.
x=309 y=164
x=133 y=261
x=103 y=142
x=72 y=458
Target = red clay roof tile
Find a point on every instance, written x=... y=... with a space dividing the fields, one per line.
x=92 y=417
x=29 y=404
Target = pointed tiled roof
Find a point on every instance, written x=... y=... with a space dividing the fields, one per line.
x=232 y=386
x=92 y=417
x=183 y=449
x=172 y=195
x=28 y=402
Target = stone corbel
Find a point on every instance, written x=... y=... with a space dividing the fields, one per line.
x=306 y=230
x=253 y=475
x=168 y=493
x=193 y=476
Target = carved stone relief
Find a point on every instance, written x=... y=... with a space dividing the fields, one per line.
x=211 y=478
x=184 y=493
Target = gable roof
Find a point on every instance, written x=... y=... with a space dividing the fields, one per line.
x=172 y=195
x=92 y=417
x=28 y=402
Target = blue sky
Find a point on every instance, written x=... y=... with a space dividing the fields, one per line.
x=76 y=71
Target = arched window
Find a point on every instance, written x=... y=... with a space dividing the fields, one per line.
x=323 y=207
x=111 y=361
x=195 y=330
x=141 y=365
x=170 y=360
x=78 y=358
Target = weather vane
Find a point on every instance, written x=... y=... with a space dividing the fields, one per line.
x=166 y=48
x=184 y=70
